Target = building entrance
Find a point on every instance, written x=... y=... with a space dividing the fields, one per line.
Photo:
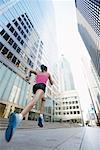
x=2 y=108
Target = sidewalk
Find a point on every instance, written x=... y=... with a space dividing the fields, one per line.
x=86 y=138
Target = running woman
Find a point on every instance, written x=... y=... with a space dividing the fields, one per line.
x=39 y=90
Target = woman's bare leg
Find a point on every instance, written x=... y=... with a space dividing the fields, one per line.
x=42 y=107
x=38 y=96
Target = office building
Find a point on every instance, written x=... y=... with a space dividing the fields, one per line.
x=93 y=85
x=88 y=18
x=23 y=46
x=66 y=81
x=67 y=107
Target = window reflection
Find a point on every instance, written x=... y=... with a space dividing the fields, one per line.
x=3 y=19
x=1 y=2
x=21 y=98
x=13 y=12
x=9 y=87
x=4 y=82
x=8 y=15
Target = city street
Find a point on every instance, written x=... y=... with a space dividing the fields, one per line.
x=50 y=74
x=86 y=138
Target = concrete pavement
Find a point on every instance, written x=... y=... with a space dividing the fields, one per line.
x=86 y=138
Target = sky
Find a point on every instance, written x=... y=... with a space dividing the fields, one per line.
x=71 y=45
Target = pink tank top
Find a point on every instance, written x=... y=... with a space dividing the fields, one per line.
x=41 y=78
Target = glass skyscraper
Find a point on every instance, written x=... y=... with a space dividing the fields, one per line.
x=88 y=16
x=66 y=81
x=25 y=42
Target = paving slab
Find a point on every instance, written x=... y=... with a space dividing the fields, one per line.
x=83 y=138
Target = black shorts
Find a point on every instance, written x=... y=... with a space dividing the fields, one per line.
x=38 y=86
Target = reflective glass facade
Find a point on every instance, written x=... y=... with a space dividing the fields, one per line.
x=88 y=15
x=23 y=45
x=12 y=87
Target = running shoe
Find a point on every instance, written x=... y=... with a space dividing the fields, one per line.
x=14 y=121
x=40 y=121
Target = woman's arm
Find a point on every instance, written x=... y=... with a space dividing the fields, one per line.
x=50 y=79
x=33 y=71
x=29 y=74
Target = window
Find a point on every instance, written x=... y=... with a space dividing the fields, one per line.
x=24 y=19
x=14 y=59
x=27 y=31
x=25 y=36
x=27 y=23
x=11 y=29
x=9 y=56
x=24 y=27
x=78 y=112
x=19 y=28
x=71 y=112
x=74 y=112
x=18 y=50
x=76 y=102
x=19 y=38
x=14 y=20
x=16 y=23
x=1 y=46
x=10 y=41
x=15 y=45
x=22 y=32
x=70 y=107
x=19 y=18
x=21 y=53
x=29 y=26
x=15 y=34
x=4 y=51
x=23 y=16
x=6 y=36
x=67 y=113
x=2 y=32
x=22 y=23
x=4 y=82
x=64 y=113
x=22 y=42
x=73 y=107
x=8 y=25
x=18 y=63
x=77 y=106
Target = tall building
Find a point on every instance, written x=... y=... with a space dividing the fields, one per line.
x=88 y=16
x=22 y=46
x=93 y=85
x=67 y=105
x=66 y=81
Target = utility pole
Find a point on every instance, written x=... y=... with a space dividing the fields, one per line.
x=94 y=108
